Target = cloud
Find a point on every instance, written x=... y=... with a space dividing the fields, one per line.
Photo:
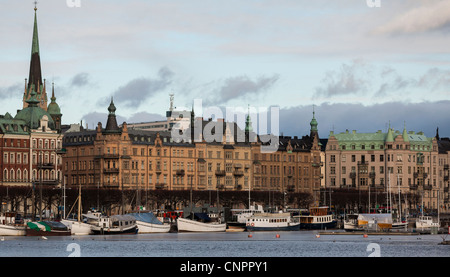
x=80 y=80
x=432 y=17
x=423 y=116
x=138 y=90
x=240 y=87
x=349 y=79
x=13 y=91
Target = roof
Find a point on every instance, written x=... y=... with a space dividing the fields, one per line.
x=33 y=114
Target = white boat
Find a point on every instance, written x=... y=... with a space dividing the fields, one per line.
x=399 y=225
x=426 y=222
x=318 y=219
x=148 y=223
x=109 y=225
x=272 y=222
x=351 y=223
x=375 y=222
x=240 y=216
x=78 y=228
x=201 y=223
x=10 y=227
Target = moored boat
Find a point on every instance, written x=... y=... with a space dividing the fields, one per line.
x=111 y=225
x=147 y=222
x=47 y=228
x=375 y=222
x=200 y=222
x=272 y=222
x=11 y=224
x=426 y=222
x=351 y=223
x=317 y=219
x=78 y=228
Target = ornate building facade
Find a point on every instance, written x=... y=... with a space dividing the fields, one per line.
x=31 y=142
x=122 y=157
x=405 y=163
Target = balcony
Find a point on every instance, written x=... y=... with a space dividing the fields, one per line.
x=413 y=187
x=180 y=172
x=158 y=170
x=238 y=173
x=220 y=172
x=363 y=163
x=237 y=187
x=160 y=186
x=446 y=189
x=290 y=188
x=372 y=175
x=445 y=166
x=352 y=175
x=427 y=187
x=446 y=178
x=46 y=165
x=110 y=170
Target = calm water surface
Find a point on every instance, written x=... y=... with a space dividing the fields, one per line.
x=262 y=244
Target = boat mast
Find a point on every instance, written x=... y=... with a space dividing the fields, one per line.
x=79 y=203
x=399 y=200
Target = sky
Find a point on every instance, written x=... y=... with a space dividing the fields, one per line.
x=359 y=64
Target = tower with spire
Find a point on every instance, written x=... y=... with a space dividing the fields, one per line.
x=34 y=81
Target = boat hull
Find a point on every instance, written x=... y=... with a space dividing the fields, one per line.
x=146 y=228
x=78 y=228
x=114 y=231
x=318 y=226
x=32 y=232
x=290 y=227
x=187 y=225
x=12 y=230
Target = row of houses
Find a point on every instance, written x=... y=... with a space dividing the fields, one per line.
x=37 y=149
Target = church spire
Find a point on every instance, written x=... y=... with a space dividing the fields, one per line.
x=35 y=77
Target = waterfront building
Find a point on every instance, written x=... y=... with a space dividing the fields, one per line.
x=125 y=158
x=393 y=161
x=31 y=142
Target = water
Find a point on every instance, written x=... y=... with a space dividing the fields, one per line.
x=228 y=244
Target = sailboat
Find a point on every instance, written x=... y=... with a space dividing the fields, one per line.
x=199 y=222
x=398 y=223
x=78 y=227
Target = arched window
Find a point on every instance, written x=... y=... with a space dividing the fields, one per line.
x=25 y=175
x=5 y=174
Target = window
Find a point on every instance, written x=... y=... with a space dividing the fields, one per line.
x=333 y=158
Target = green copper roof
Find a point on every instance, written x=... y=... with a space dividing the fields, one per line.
x=313 y=123
x=32 y=114
x=417 y=141
x=53 y=107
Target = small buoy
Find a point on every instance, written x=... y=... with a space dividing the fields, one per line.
x=317 y=236
x=277 y=236
x=3 y=238
x=43 y=237
x=365 y=235
x=250 y=235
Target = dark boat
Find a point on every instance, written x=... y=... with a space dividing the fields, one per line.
x=46 y=228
